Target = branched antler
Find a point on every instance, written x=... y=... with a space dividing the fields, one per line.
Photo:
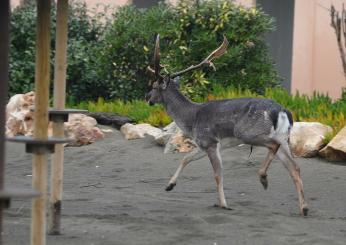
x=207 y=61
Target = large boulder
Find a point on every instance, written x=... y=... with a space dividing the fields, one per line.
x=19 y=117
x=307 y=138
x=138 y=131
x=336 y=148
x=20 y=102
x=178 y=142
x=20 y=121
x=167 y=132
x=82 y=129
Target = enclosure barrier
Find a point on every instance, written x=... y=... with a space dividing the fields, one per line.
x=6 y=194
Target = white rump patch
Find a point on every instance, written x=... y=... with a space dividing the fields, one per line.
x=283 y=124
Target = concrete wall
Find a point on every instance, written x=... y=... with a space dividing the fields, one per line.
x=280 y=41
x=316 y=63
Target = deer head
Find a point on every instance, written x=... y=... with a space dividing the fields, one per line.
x=163 y=83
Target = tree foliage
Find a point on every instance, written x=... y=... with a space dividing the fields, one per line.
x=109 y=57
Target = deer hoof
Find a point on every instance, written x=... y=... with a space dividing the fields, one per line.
x=223 y=207
x=264 y=181
x=170 y=186
x=305 y=210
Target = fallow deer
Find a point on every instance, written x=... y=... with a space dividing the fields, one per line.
x=253 y=121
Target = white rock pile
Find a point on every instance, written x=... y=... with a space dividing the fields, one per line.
x=171 y=137
x=20 y=121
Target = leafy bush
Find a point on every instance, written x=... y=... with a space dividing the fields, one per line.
x=22 y=49
x=109 y=58
x=85 y=32
x=188 y=34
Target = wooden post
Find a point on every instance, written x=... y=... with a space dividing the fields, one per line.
x=42 y=76
x=58 y=127
x=4 y=47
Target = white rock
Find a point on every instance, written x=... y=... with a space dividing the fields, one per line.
x=307 y=138
x=336 y=148
x=171 y=128
x=19 y=118
x=163 y=138
x=20 y=121
x=179 y=143
x=82 y=129
x=138 y=131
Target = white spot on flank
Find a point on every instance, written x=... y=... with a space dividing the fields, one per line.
x=266 y=116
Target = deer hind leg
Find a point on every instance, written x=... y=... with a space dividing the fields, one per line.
x=262 y=172
x=284 y=154
x=192 y=156
x=216 y=161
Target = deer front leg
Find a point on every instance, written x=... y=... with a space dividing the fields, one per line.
x=262 y=172
x=284 y=154
x=216 y=161
x=192 y=156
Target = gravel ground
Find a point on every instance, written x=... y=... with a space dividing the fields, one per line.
x=114 y=194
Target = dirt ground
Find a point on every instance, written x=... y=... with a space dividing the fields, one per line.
x=114 y=194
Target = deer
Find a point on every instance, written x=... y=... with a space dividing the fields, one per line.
x=253 y=121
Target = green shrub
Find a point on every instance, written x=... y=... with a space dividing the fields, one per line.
x=109 y=58
x=22 y=49
x=188 y=34
x=85 y=33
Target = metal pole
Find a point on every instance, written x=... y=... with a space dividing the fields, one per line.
x=57 y=167
x=4 y=47
x=42 y=75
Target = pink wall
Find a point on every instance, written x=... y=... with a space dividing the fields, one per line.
x=316 y=63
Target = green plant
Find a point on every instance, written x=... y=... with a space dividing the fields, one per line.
x=188 y=33
x=108 y=57
x=84 y=31
x=137 y=110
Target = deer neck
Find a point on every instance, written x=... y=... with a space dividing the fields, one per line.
x=180 y=108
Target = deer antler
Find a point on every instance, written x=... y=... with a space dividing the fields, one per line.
x=157 y=56
x=157 y=66
x=207 y=61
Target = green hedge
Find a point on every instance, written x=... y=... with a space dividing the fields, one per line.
x=188 y=33
x=109 y=58
x=85 y=33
